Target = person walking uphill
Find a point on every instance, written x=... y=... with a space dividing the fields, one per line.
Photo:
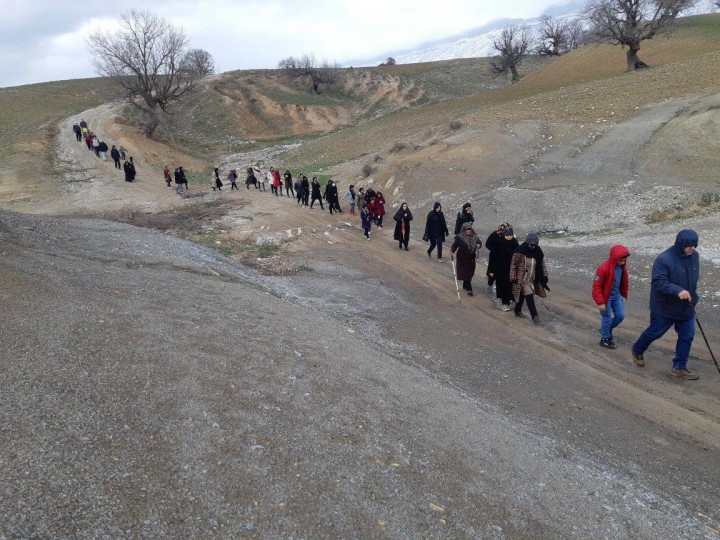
x=502 y=245
x=232 y=176
x=464 y=249
x=289 y=183
x=115 y=155
x=350 y=196
x=464 y=216
x=673 y=297
x=490 y=245
x=215 y=181
x=609 y=288
x=332 y=197
x=528 y=275
x=315 y=192
x=129 y=168
x=436 y=230
x=402 y=218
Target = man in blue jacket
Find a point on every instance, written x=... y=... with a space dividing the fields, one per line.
x=673 y=296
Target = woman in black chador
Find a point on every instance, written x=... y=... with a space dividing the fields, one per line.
x=315 y=193
x=403 y=217
x=502 y=244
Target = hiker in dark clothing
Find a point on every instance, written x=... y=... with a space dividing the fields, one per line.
x=489 y=244
x=402 y=218
x=115 y=154
x=129 y=168
x=78 y=131
x=315 y=192
x=306 y=190
x=289 y=183
x=528 y=275
x=250 y=179
x=103 y=148
x=215 y=181
x=502 y=244
x=464 y=249
x=232 y=176
x=331 y=196
x=436 y=230
x=180 y=179
x=83 y=124
x=464 y=216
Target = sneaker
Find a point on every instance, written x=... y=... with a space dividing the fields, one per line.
x=505 y=307
x=490 y=289
x=608 y=343
x=536 y=319
x=440 y=259
x=638 y=359
x=685 y=374
x=406 y=248
x=470 y=293
x=519 y=314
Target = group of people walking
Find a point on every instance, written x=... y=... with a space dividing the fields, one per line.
x=100 y=148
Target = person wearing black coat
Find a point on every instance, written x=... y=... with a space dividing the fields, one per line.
x=490 y=243
x=78 y=131
x=315 y=193
x=289 y=184
x=502 y=244
x=115 y=154
x=305 y=186
x=464 y=216
x=436 y=230
x=129 y=168
x=402 y=218
x=464 y=249
x=332 y=197
x=250 y=178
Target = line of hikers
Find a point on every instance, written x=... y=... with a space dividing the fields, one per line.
x=94 y=144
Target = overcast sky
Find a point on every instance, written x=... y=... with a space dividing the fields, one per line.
x=44 y=40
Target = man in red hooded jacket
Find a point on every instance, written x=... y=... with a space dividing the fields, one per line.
x=609 y=288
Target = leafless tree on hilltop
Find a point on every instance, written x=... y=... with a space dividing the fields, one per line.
x=512 y=46
x=147 y=57
x=306 y=66
x=629 y=22
x=197 y=62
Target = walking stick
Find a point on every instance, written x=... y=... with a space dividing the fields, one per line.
x=706 y=340
x=457 y=288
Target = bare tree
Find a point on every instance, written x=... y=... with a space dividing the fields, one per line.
x=630 y=22
x=306 y=67
x=144 y=56
x=554 y=38
x=512 y=46
x=391 y=61
x=577 y=35
x=197 y=62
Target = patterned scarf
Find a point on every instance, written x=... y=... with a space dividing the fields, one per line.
x=471 y=242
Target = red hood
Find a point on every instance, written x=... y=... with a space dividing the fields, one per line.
x=618 y=252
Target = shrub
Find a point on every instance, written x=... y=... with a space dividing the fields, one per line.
x=398 y=147
x=456 y=124
x=709 y=198
x=367 y=170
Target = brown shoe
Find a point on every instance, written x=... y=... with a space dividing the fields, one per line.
x=638 y=359
x=685 y=374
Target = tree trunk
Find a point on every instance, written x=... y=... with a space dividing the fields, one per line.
x=633 y=61
x=515 y=75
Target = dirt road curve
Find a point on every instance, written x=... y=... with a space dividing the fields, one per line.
x=153 y=388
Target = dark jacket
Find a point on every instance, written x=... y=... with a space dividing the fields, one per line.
x=315 y=186
x=402 y=217
x=435 y=226
x=517 y=268
x=331 y=193
x=115 y=153
x=288 y=179
x=673 y=272
x=466 y=260
x=463 y=217
x=501 y=252
x=129 y=169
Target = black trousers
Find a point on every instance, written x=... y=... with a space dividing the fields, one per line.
x=503 y=288
x=117 y=164
x=467 y=285
x=530 y=303
x=434 y=242
x=289 y=189
x=319 y=200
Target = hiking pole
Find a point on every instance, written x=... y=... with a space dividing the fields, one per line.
x=705 y=338
x=457 y=288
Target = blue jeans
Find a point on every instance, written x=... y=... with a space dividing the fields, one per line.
x=613 y=315
x=658 y=326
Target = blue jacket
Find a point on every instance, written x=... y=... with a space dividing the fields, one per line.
x=673 y=272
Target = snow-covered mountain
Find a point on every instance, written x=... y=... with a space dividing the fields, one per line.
x=479 y=42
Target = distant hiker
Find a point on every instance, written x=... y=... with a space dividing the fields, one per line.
x=166 y=173
x=464 y=216
x=299 y=189
x=129 y=168
x=402 y=218
x=370 y=194
x=350 y=198
x=315 y=192
x=184 y=179
x=89 y=141
x=250 y=179
x=609 y=288
x=528 y=275
x=271 y=181
x=122 y=152
x=215 y=182
x=331 y=196
x=464 y=249
x=360 y=200
x=502 y=244
x=78 y=131
x=276 y=182
x=232 y=176
x=673 y=297
x=306 y=191
x=179 y=179
x=96 y=145
x=103 y=148
x=435 y=230
x=115 y=155
x=289 y=183
x=260 y=175
x=490 y=244
x=379 y=209
x=83 y=124
x=366 y=221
